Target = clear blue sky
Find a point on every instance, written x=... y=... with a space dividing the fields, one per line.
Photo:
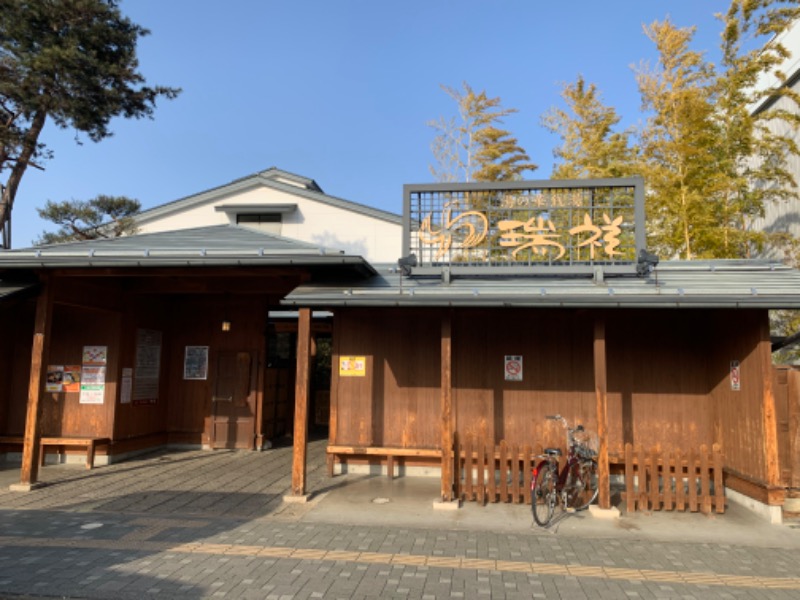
x=341 y=90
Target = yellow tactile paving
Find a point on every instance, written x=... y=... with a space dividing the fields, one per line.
x=539 y=568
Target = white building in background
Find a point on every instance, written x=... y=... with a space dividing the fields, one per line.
x=288 y=205
x=783 y=216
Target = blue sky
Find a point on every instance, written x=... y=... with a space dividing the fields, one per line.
x=341 y=90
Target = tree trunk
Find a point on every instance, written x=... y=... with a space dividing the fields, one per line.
x=9 y=191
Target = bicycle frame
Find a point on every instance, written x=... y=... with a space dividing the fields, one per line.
x=548 y=490
x=572 y=456
x=551 y=462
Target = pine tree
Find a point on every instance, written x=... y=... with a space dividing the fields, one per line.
x=100 y=217
x=73 y=62
x=472 y=147
x=590 y=148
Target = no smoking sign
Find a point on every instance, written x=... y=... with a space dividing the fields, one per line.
x=513 y=368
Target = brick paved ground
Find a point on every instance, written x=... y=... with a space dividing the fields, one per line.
x=211 y=525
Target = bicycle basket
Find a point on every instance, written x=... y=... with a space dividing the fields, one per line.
x=586 y=444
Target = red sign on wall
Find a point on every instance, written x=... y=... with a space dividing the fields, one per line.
x=513 y=368
x=736 y=376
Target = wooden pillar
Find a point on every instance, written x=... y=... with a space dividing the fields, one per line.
x=447 y=407
x=794 y=428
x=261 y=368
x=29 y=472
x=601 y=395
x=301 y=390
x=769 y=419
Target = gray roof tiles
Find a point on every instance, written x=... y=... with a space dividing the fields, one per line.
x=219 y=245
x=711 y=284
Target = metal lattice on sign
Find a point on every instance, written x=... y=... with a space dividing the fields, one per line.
x=524 y=226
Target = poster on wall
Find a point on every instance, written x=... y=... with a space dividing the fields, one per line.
x=72 y=378
x=55 y=378
x=63 y=378
x=95 y=355
x=513 y=367
x=736 y=376
x=195 y=362
x=93 y=375
x=352 y=366
x=126 y=386
x=148 y=366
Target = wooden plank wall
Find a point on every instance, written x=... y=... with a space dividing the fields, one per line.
x=196 y=321
x=740 y=423
x=72 y=329
x=398 y=402
x=786 y=385
x=15 y=354
x=658 y=388
x=668 y=378
x=556 y=347
x=143 y=423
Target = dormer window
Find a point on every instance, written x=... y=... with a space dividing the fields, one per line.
x=264 y=217
x=269 y=222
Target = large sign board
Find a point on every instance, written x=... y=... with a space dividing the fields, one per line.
x=525 y=226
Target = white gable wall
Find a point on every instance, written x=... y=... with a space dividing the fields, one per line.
x=316 y=222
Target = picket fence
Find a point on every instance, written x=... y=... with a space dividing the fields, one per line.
x=653 y=480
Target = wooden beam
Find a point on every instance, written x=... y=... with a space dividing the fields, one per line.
x=447 y=407
x=29 y=471
x=769 y=418
x=601 y=395
x=301 y=402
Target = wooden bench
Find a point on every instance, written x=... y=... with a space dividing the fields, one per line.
x=389 y=453
x=90 y=443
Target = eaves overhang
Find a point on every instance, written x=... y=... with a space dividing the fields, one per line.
x=215 y=246
x=714 y=284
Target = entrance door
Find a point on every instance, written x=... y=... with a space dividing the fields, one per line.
x=233 y=402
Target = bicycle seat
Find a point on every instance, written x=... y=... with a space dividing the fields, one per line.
x=552 y=451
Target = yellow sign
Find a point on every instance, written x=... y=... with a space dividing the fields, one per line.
x=536 y=234
x=352 y=366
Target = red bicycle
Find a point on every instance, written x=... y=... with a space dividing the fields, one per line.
x=575 y=487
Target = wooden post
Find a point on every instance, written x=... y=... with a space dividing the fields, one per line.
x=261 y=376
x=301 y=402
x=794 y=428
x=29 y=471
x=769 y=419
x=601 y=394
x=447 y=407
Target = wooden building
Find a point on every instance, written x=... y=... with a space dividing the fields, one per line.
x=513 y=301
x=151 y=340
x=524 y=299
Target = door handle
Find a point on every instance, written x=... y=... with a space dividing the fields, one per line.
x=221 y=399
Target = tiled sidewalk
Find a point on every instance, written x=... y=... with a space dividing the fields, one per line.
x=195 y=524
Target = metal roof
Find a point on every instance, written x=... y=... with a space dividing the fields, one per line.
x=11 y=288
x=272 y=178
x=674 y=284
x=219 y=245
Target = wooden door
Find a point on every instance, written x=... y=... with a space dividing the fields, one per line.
x=233 y=402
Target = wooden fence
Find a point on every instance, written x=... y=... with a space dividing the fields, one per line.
x=674 y=480
x=487 y=473
x=654 y=480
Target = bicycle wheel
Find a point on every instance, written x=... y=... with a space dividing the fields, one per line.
x=581 y=486
x=543 y=494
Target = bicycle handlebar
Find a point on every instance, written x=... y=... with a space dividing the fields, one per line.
x=565 y=423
